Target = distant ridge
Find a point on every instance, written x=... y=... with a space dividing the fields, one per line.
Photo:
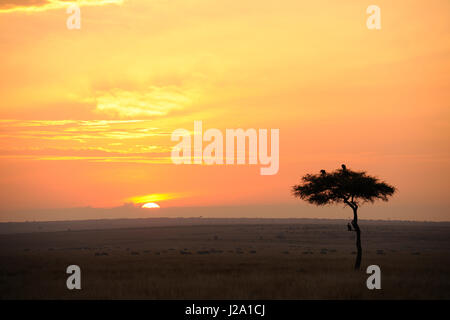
x=104 y=224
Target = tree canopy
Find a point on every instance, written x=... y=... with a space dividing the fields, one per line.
x=342 y=186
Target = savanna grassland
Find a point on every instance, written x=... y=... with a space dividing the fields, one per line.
x=292 y=260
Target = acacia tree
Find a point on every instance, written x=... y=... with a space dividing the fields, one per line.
x=351 y=188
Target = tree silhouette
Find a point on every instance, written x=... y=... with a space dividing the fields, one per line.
x=352 y=188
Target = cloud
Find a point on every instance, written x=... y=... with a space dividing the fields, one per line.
x=154 y=197
x=133 y=141
x=79 y=130
x=44 y=5
x=156 y=101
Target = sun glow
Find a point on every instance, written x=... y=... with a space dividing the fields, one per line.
x=150 y=205
x=152 y=197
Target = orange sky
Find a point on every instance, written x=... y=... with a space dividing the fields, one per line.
x=86 y=115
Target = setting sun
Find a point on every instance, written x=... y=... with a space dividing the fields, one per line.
x=150 y=205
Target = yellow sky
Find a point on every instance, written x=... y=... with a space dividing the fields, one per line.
x=86 y=115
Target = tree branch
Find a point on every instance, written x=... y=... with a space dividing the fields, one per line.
x=350 y=204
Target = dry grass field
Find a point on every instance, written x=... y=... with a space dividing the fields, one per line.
x=296 y=260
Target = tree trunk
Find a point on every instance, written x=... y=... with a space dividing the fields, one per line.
x=358 y=239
